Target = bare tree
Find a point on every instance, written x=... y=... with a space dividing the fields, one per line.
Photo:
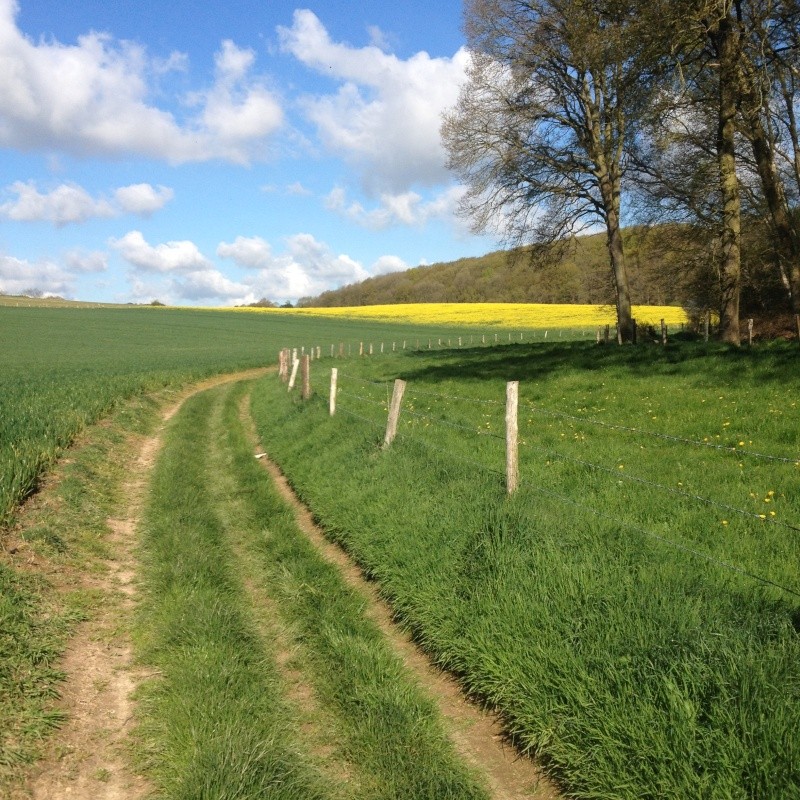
x=539 y=132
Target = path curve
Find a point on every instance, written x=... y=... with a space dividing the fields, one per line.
x=476 y=733
x=86 y=759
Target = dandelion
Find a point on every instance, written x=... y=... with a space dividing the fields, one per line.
x=762 y=516
x=741 y=444
x=724 y=522
x=772 y=513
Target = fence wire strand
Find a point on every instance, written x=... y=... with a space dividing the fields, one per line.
x=666 y=436
x=662 y=487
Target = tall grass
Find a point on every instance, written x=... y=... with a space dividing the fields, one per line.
x=216 y=724
x=609 y=620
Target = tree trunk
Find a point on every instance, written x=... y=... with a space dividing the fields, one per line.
x=725 y=39
x=619 y=274
x=774 y=194
x=610 y=193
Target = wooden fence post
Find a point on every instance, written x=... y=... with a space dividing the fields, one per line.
x=334 y=378
x=293 y=378
x=749 y=331
x=797 y=323
x=394 y=412
x=512 y=438
x=663 y=332
x=707 y=324
x=306 y=377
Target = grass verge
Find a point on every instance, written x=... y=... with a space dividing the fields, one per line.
x=634 y=668
x=55 y=541
x=216 y=723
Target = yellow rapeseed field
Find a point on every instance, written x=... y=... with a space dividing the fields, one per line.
x=501 y=315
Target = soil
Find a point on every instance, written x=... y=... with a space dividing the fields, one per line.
x=88 y=758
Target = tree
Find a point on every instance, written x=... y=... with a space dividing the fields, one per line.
x=540 y=129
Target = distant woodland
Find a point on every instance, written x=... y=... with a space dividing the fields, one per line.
x=668 y=265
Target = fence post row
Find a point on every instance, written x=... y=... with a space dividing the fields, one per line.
x=512 y=437
x=394 y=412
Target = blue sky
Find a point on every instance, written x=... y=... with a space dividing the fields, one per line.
x=214 y=153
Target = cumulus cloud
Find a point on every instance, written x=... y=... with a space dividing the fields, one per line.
x=142 y=198
x=71 y=204
x=83 y=261
x=180 y=256
x=405 y=208
x=384 y=119
x=65 y=204
x=91 y=98
x=253 y=252
x=19 y=276
x=305 y=267
x=386 y=264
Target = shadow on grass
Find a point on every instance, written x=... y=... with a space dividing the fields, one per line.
x=777 y=361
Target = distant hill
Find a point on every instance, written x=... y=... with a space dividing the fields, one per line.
x=578 y=274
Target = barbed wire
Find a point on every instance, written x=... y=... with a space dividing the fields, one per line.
x=416 y=390
x=455 y=425
x=664 y=539
x=658 y=435
x=377 y=423
x=362 y=380
x=663 y=487
x=450 y=454
x=371 y=400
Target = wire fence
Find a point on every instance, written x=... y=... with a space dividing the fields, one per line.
x=450 y=420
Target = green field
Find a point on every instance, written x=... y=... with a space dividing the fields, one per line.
x=64 y=368
x=634 y=608
x=632 y=611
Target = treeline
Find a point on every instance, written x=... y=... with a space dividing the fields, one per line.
x=668 y=265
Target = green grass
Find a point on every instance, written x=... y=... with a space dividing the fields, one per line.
x=62 y=369
x=593 y=610
x=41 y=599
x=216 y=723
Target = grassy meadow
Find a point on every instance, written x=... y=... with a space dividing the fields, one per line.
x=633 y=610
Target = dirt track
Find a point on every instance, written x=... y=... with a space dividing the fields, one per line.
x=87 y=757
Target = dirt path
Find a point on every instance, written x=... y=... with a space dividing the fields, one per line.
x=86 y=758
x=476 y=733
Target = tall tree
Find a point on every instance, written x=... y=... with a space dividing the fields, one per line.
x=539 y=131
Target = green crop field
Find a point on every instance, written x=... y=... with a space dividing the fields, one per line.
x=63 y=368
x=633 y=609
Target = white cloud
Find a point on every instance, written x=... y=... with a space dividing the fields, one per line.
x=92 y=98
x=210 y=285
x=405 y=208
x=298 y=190
x=86 y=261
x=384 y=119
x=386 y=264
x=70 y=203
x=18 y=276
x=306 y=267
x=253 y=253
x=65 y=204
x=142 y=198
x=181 y=256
